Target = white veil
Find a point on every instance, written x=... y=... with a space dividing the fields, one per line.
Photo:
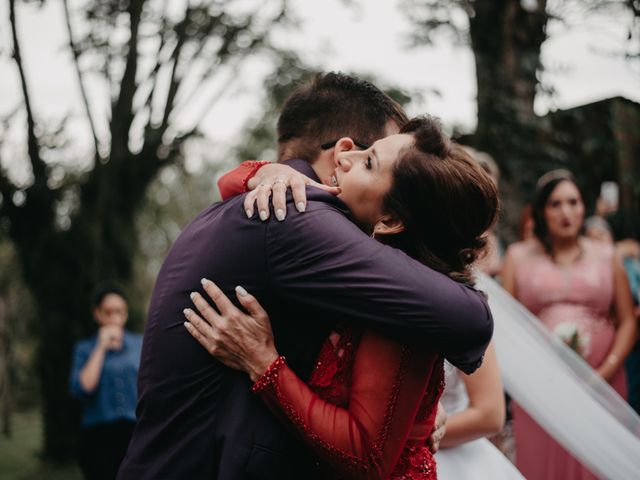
x=561 y=391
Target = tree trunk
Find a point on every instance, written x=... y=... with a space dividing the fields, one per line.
x=5 y=370
x=506 y=41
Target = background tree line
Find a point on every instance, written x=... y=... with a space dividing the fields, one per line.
x=80 y=216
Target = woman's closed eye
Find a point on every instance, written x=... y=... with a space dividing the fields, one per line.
x=369 y=163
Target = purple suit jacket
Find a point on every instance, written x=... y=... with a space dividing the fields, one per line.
x=197 y=418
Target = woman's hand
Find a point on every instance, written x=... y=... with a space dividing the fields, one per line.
x=240 y=341
x=273 y=180
x=439 y=429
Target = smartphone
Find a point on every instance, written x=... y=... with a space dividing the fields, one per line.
x=609 y=192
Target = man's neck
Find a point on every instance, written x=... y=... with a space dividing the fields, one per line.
x=322 y=164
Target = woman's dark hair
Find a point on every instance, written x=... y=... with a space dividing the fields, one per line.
x=104 y=289
x=544 y=188
x=446 y=201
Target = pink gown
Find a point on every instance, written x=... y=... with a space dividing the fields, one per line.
x=575 y=302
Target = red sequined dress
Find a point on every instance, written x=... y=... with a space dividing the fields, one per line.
x=368 y=408
x=370 y=403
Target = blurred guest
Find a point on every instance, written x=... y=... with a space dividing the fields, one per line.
x=491 y=262
x=629 y=250
x=598 y=228
x=104 y=375
x=571 y=283
x=525 y=229
x=475 y=405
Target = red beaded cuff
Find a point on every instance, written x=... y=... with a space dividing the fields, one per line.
x=270 y=376
x=257 y=165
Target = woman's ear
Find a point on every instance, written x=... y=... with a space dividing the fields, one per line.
x=388 y=225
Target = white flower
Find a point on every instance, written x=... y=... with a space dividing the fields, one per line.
x=569 y=334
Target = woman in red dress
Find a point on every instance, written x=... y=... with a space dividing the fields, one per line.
x=370 y=403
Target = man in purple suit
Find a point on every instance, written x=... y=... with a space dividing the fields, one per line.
x=197 y=418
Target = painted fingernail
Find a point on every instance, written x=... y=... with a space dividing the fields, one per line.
x=263 y=215
x=187 y=325
x=241 y=291
x=301 y=207
x=280 y=214
x=205 y=281
x=186 y=312
x=193 y=295
x=249 y=213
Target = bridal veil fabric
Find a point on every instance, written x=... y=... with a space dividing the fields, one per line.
x=562 y=392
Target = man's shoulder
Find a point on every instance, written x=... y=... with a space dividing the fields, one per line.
x=325 y=216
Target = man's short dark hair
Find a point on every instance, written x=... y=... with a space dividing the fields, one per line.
x=334 y=105
x=103 y=289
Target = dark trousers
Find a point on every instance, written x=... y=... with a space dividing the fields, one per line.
x=102 y=448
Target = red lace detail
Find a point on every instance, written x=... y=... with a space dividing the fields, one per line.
x=270 y=376
x=256 y=165
x=415 y=463
x=331 y=375
x=426 y=411
x=349 y=460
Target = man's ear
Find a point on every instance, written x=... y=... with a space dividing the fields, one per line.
x=345 y=144
x=388 y=225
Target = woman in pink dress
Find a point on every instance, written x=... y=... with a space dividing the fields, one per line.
x=572 y=284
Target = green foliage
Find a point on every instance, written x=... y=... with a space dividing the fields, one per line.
x=20 y=455
x=72 y=228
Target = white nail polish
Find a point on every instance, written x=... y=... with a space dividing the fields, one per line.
x=280 y=214
x=241 y=291
x=263 y=215
x=301 y=207
x=185 y=311
x=249 y=213
x=193 y=295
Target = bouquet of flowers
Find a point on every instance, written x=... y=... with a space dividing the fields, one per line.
x=569 y=334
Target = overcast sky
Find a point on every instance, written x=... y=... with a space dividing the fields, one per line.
x=370 y=40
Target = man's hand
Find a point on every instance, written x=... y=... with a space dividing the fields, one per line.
x=439 y=430
x=110 y=337
x=273 y=180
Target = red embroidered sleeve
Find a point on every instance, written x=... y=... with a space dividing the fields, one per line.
x=235 y=181
x=365 y=438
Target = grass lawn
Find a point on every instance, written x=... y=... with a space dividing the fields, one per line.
x=19 y=458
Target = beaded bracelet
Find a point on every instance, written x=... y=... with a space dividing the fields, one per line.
x=270 y=376
x=257 y=165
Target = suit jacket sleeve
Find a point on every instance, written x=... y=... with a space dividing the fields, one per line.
x=321 y=259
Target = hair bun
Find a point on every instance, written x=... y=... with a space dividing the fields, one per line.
x=467 y=256
x=429 y=136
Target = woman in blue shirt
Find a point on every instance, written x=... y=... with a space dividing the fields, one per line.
x=104 y=376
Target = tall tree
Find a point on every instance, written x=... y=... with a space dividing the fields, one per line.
x=155 y=60
x=506 y=37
